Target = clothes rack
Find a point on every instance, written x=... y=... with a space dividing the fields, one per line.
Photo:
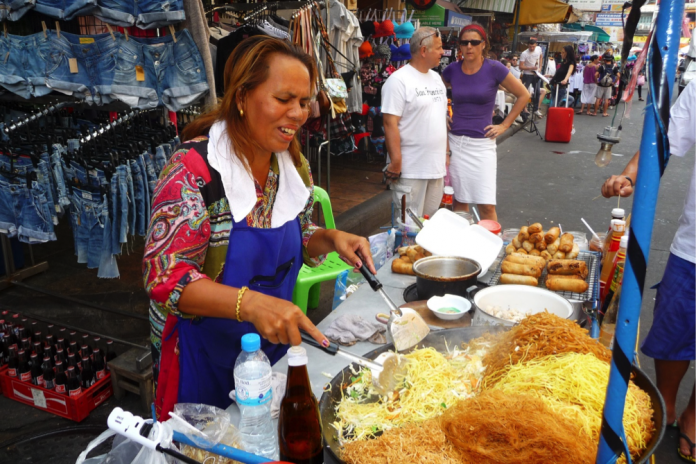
x=270 y=5
x=45 y=112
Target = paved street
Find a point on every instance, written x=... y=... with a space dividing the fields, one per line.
x=537 y=182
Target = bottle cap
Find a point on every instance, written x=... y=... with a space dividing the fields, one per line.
x=251 y=342
x=449 y=190
x=617 y=225
x=624 y=242
x=618 y=213
x=297 y=356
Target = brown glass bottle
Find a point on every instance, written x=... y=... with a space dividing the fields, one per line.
x=299 y=423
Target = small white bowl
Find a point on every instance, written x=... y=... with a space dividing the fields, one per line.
x=438 y=303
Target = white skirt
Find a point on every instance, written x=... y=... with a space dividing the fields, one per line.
x=588 y=94
x=473 y=169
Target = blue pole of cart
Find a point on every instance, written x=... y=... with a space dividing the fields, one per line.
x=654 y=154
x=594 y=328
x=224 y=450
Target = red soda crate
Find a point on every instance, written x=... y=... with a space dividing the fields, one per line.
x=74 y=408
x=3 y=369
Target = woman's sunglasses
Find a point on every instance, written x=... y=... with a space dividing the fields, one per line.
x=475 y=43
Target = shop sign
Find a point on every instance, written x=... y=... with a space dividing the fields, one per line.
x=614 y=8
x=455 y=19
x=433 y=17
x=586 y=5
x=609 y=20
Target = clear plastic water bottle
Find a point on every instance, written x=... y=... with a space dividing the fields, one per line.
x=252 y=378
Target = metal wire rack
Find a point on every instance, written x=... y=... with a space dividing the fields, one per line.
x=592 y=260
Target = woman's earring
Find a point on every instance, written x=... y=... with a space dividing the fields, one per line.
x=241 y=113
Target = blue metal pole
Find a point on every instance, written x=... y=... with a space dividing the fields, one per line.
x=654 y=154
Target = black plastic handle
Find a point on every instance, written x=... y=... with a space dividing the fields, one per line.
x=332 y=349
x=369 y=276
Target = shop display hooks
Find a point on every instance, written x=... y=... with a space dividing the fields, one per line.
x=109 y=126
x=45 y=112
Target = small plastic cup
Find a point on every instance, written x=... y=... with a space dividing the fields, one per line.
x=490 y=225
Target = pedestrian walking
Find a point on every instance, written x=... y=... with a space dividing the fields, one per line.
x=473 y=159
x=671 y=341
x=606 y=75
x=589 y=86
x=414 y=106
x=531 y=61
x=563 y=73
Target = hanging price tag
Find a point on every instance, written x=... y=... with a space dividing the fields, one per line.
x=73 y=65
x=139 y=74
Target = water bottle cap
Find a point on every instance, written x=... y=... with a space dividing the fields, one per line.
x=449 y=190
x=251 y=342
x=297 y=356
x=624 y=242
x=618 y=213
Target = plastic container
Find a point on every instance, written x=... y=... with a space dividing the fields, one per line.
x=491 y=226
x=509 y=234
x=468 y=216
x=581 y=239
x=253 y=394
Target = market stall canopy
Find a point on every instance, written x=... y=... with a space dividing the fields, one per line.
x=598 y=34
x=501 y=6
x=567 y=36
x=545 y=12
x=435 y=15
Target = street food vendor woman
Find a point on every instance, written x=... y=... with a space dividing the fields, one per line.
x=230 y=228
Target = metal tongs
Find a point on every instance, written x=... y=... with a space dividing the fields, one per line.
x=403 y=330
x=386 y=369
x=414 y=217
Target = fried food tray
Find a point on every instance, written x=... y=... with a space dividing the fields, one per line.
x=591 y=258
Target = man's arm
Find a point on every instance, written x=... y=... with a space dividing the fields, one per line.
x=621 y=185
x=392 y=138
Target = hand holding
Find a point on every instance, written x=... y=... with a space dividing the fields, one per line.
x=349 y=246
x=617 y=186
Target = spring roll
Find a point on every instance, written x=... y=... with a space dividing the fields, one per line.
x=516 y=241
x=510 y=249
x=520 y=269
x=535 y=228
x=559 y=284
x=540 y=245
x=546 y=255
x=399 y=266
x=552 y=235
x=523 y=235
x=412 y=254
x=566 y=245
x=518 y=280
x=535 y=252
x=536 y=238
x=559 y=255
x=520 y=252
x=528 y=246
x=568 y=267
x=574 y=253
x=526 y=259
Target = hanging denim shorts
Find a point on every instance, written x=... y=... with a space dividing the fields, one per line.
x=155 y=71
x=25 y=212
x=145 y=14
x=14 y=9
x=24 y=63
x=65 y=9
x=95 y=57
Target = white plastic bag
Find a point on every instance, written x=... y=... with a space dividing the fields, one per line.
x=124 y=451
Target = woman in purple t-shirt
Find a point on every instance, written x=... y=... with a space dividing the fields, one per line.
x=472 y=148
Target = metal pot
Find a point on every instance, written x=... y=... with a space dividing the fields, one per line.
x=521 y=297
x=438 y=275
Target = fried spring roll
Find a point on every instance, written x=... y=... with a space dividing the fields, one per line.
x=560 y=284
x=536 y=237
x=516 y=242
x=518 y=280
x=540 y=245
x=566 y=245
x=510 y=249
x=568 y=267
x=528 y=246
x=574 y=253
x=523 y=235
x=400 y=266
x=520 y=259
x=535 y=228
x=552 y=235
x=521 y=269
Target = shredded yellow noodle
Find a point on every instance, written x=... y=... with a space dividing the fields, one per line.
x=574 y=385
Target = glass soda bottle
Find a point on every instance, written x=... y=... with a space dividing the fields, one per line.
x=61 y=379
x=73 y=386
x=48 y=375
x=252 y=379
x=299 y=423
x=36 y=371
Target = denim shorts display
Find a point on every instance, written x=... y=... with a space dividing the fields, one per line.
x=24 y=212
x=155 y=71
x=59 y=175
x=95 y=56
x=14 y=9
x=141 y=198
x=65 y=9
x=145 y=14
x=160 y=157
x=87 y=210
x=24 y=63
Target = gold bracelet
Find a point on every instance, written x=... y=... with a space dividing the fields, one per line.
x=240 y=294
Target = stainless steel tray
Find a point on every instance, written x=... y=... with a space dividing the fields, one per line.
x=592 y=292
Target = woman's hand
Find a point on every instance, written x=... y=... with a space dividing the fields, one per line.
x=564 y=81
x=494 y=131
x=278 y=320
x=354 y=250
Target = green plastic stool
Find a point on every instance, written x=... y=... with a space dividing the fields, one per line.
x=307 y=287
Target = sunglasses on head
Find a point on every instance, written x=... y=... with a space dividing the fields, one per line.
x=436 y=34
x=475 y=43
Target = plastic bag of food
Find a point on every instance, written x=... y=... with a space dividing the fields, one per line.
x=382 y=247
x=347 y=283
x=206 y=426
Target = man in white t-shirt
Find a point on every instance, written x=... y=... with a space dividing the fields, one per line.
x=531 y=61
x=414 y=105
x=671 y=341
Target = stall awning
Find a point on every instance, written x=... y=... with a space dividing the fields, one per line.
x=435 y=16
x=544 y=12
x=501 y=6
x=598 y=34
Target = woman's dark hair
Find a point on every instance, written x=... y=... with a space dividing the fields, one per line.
x=594 y=57
x=570 y=55
x=247 y=68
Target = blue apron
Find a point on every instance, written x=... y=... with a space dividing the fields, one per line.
x=265 y=260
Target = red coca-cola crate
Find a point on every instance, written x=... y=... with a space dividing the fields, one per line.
x=74 y=408
x=3 y=369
